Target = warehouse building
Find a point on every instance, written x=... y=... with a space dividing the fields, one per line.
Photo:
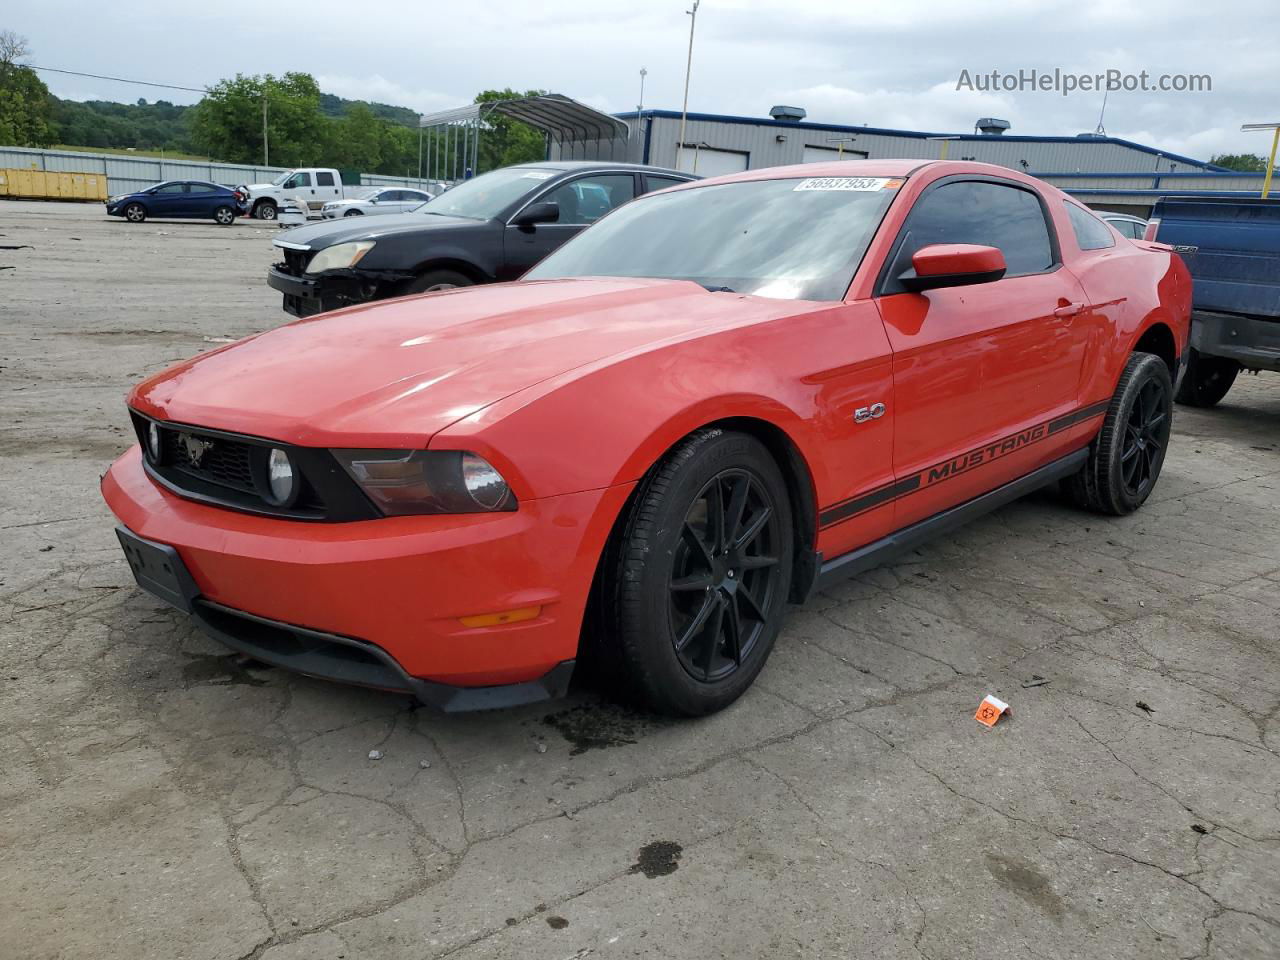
x=1101 y=171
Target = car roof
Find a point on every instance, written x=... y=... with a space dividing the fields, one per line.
x=574 y=166
x=1112 y=215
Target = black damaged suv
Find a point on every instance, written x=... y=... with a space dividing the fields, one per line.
x=492 y=228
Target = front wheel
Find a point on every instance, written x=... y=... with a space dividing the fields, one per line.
x=434 y=280
x=266 y=211
x=1126 y=457
x=224 y=216
x=135 y=213
x=354 y=213
x=1207 y=379
x=696 y=582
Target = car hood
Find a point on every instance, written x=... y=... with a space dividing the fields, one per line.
x=393 y=374
x=317 y=236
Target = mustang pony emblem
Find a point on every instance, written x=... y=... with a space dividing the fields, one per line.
x=195 y=448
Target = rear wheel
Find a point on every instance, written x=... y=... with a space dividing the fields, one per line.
x=1126 y=457
x=135 y=213
x=437 y=280
x=696 y=582
x=224 y=216
x=1207 y=379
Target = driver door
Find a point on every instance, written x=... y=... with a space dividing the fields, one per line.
x=582 y=201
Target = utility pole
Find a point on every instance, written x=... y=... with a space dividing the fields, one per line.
x=419 y=150
x=1275 y=142
x=266 y=155
x=688 y=68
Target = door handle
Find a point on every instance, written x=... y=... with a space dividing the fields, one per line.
x=1068 y=309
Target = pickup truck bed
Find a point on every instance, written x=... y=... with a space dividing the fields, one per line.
x=1232 y=248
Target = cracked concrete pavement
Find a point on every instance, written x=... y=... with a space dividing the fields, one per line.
x=158 y=799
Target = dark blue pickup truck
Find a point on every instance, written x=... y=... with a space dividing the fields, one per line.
x=1232 y=248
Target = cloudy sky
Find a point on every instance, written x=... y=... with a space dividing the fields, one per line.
x=890 y=65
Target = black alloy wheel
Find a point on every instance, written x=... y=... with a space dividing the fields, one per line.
x=723 y=577
x=695 y=581
x=1145 y=434
x=1128 y=452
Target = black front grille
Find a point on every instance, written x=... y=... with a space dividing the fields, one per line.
x=230 y=470
x=219 y=461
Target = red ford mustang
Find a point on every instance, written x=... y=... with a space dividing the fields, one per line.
x=714 y=400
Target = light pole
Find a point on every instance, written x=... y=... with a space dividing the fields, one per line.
x=419 y=150
x=946 y=143
x=1275 y=142
x=640 y=106
x=266 y=162
x=688 y=68
x=840 y=142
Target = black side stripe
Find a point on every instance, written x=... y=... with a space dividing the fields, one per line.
x=862 y=502
x=1084 y=413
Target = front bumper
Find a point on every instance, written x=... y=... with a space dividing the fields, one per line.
x=1252 y=342
x=394 y=589
x=307 y=296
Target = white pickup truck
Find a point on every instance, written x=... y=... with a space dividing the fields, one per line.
x=314 y=185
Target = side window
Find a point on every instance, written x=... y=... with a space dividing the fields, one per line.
x=1091 y=233
x=171 y=188
x=324 y=179
x=588 y=199
x=387 y=196
x=989 y=214
x=201 y=188
x=298 y=180
x=652 y=182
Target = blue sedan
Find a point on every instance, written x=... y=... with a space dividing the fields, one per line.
x=181 y=200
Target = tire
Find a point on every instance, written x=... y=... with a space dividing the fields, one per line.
x=354 y=213
x=266 y=210
x=135 y=213
x=1207 y=379
x=1125 y=458
x=674 y=599
x=437 y=280
x=224 y=216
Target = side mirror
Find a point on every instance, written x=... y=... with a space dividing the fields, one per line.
x=548 y=211
x=953 y=265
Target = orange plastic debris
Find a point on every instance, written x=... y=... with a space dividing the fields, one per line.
x=990 y=710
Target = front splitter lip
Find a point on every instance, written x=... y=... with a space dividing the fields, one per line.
x=312 y=661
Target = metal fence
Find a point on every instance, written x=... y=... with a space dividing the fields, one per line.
x=126 y=174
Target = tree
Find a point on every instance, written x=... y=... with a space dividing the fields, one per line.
x=227 y=122
x=1245 y=162
x=26 y=110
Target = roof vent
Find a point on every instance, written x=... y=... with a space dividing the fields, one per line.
x=789 y=114
x=991 y=126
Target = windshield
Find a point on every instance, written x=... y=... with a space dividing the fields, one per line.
x=797 y=239
x=488 y=195
x=282 y=178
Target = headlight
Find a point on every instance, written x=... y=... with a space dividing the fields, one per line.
x=153 y=442
x=404 y=482
x=339 y=257
x=281 y=480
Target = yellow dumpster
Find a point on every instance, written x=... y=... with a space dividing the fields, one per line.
x=53 y=185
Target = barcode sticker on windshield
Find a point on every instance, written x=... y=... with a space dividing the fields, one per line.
x=842 y=183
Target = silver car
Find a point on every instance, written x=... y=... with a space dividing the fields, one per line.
x=384 y=200
x=1130 y=226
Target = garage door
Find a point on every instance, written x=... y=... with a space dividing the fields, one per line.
x=828 y=154
x=713 y=163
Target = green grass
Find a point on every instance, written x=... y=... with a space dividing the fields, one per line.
x=122 y=151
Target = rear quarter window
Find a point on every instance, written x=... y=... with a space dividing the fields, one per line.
x=1091 y=233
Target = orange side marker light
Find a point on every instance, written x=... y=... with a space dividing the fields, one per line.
x=990 y=710
x=501 y=619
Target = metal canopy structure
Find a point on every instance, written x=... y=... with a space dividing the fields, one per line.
x=576 y=128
